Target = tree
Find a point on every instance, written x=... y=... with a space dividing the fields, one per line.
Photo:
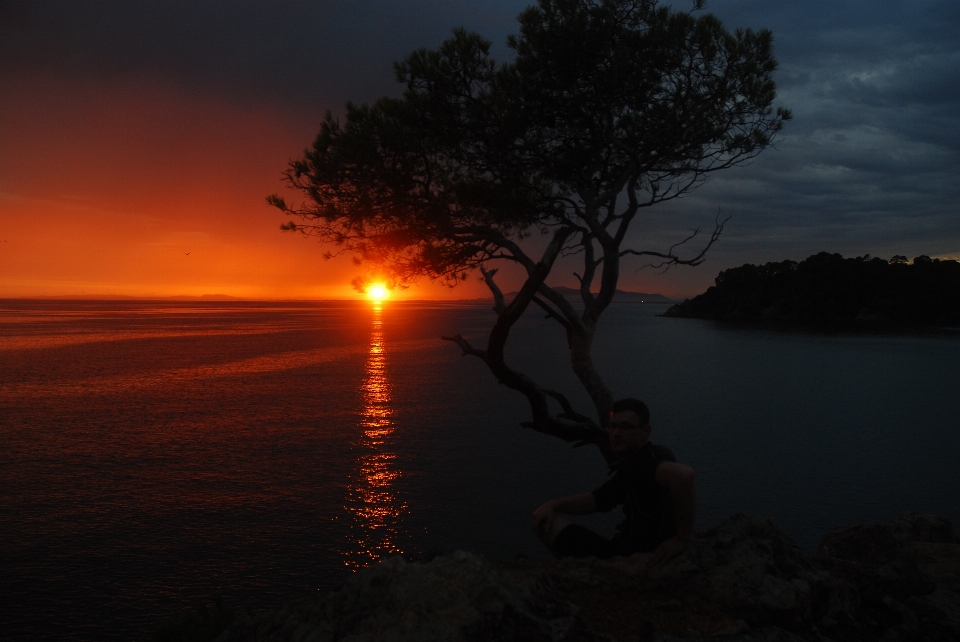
x=608 y=107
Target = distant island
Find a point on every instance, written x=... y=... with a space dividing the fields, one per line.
x=129 y=297
x=621 y=295
x=827 y=288
x=573 y=294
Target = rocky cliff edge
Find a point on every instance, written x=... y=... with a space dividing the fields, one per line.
x=744 y=580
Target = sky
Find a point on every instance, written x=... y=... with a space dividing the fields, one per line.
x=138 y=139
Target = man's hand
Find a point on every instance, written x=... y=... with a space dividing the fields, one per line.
x=665 y=552
x=542 y=520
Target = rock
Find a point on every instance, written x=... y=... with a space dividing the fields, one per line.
x=923 y=527
x=743 y=580
x=454 y=597
x=885 y=564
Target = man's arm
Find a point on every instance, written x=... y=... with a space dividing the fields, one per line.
x=545 y=523
x=680 y=480
x=581 y=504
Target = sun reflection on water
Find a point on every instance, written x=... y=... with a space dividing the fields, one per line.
x=371 y=500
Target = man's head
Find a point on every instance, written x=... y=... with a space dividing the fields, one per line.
x=629 y=425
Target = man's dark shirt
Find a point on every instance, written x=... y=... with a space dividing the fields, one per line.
x=650 y=517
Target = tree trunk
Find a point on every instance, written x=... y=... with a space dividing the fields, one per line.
x=581 y=360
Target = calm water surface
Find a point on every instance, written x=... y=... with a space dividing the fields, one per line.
x=152 y=454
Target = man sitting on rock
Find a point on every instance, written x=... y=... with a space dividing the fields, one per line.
x=658 y=497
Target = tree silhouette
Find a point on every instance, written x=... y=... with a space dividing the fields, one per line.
x=829 y=289
x=608 y=107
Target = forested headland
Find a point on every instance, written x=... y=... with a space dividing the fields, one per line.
x=827 y=288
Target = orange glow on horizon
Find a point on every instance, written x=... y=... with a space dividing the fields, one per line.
x=164 y=199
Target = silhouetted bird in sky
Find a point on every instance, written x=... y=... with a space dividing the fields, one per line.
x=188 y=253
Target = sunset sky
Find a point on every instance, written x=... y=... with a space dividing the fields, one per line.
x=138 y=139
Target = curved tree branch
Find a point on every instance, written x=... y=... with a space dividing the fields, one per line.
x=505 y=321
x=568 y=411
x=466 y=347
x=671 y=258
x=499 y=304
x=552 y=314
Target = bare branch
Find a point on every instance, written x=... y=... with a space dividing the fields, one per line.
x=551 y=313
x=499 y=305
x=630 y=212
x=580 y=434
x=498 y=239
x=568 y=411
x=494 y=355
x=466 y=347
x=671 y=258
x=557 y=299
x=589 y=271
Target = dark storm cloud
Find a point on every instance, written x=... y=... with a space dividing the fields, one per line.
x=290 y=51
x=871 y=161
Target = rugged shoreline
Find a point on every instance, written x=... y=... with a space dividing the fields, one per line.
x=742 y=580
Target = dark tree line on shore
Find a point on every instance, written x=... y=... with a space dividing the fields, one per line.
x=827 y=288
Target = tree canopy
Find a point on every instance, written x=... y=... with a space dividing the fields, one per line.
x=607 y=107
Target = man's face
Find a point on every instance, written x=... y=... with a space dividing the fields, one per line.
x=626 y=432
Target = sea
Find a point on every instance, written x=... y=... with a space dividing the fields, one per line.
x=156 y=454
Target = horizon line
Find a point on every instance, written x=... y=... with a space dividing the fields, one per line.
x=227 y=297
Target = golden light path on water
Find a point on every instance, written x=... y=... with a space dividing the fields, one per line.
x=371 y=501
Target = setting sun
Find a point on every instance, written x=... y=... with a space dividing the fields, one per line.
x=378 y=292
